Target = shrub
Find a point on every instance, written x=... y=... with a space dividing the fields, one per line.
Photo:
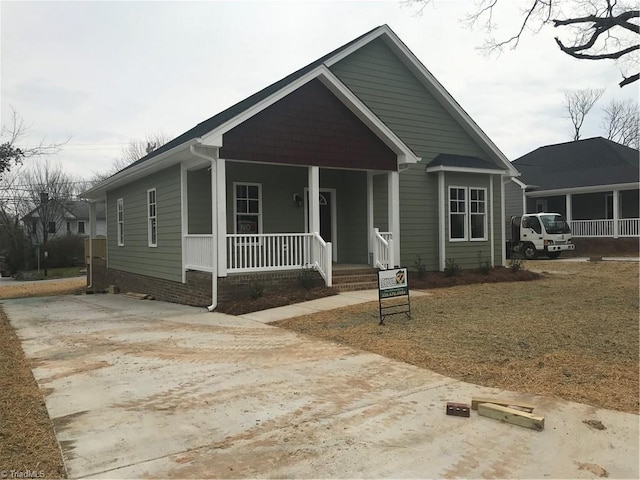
x=65 y=251
x=451 y=268
x=484 y=265
x=256 y=289
x=420 y=267
x=307 y=278
x=516 y=263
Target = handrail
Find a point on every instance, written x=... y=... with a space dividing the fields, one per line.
x=322 y=261
x=382 y=250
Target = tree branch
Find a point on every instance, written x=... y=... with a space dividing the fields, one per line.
x=573 y=51
x=631 y=79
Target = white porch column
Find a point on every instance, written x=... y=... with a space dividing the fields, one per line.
x=491 y=229
x=221 y=194
x=184 y=214
x=568 y=204
x=616 y=213
x=442 y=202
x=370 y=214
x=314 y=207
x=503 y=221
x=214 y=219
x=393 y=206
x=92 y=235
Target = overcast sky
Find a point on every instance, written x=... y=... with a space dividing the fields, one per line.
x=103 y=73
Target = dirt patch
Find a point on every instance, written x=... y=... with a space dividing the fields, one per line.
x=47 y=288
x=572 y=335
x=27 y=440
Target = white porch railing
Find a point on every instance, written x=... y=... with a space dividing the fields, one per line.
x=268 y=251
x=382 y=249
x=199 y=252
x=627 y=227
x=322 y=251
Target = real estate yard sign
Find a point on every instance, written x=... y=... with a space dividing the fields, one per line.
x=393 y=292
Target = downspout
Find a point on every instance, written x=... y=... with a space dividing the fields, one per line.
x=214 y=212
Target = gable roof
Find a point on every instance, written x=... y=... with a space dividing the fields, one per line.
x=72 y=210
x=206 y=132
x=582 y=163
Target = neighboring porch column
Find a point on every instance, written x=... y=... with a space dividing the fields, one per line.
x=393 y=205
x=616 y=213
x=221 y=194
x=370 y=214
x=92 y=235
x=214 y=219
x=568 y=205
x=491 y=228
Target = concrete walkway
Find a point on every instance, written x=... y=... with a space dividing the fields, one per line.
x=149 y=389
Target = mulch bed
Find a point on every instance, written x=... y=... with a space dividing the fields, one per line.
x=274 y=299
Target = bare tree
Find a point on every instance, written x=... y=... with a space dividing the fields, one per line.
x=134 y=151
x=621 y=120
x=11 y=153
x=595 y=29
x=578 y=103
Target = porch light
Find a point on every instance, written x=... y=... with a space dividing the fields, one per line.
x=297 y=199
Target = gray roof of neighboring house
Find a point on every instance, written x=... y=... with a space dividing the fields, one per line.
x=581 y=163
x=77 y=208
x=462 y=161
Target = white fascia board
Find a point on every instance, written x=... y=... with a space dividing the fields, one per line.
x=520 y=183
x=157 y=163
x=588 y=189
x=335 y=86
x=443 y=168
x=432 y=84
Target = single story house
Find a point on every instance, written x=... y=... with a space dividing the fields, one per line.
x=359 y=159
x=594 y=183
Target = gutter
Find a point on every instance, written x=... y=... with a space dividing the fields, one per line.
x=214 y=213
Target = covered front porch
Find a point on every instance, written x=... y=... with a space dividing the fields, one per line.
x=243 y=217
x=593 y=212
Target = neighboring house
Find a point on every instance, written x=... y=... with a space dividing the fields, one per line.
x=594 y=183
x=63 y=218
x=359 y=158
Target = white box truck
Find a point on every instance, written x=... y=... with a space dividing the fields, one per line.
x=539 y=234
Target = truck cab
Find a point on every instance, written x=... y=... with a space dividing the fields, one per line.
x=543 y=233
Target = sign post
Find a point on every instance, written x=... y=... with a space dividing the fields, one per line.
x=393 y=293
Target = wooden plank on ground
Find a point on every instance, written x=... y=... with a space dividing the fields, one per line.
x=511 y=415
x=527 y=407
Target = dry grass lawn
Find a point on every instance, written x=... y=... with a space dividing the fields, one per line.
x=572 y=334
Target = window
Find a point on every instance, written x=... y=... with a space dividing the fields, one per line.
x=152 y=215
x=457 y=213
x=120 y=221
x=52 y=227
x=68 y=228
x=467 y=214
x=248 y=211
x=34 y=226
x=80 y=227
x=478 y=213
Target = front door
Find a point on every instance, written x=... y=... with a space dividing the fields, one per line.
x=325 y=216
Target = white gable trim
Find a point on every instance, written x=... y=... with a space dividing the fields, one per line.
x=520 y=183
x=443 y=168
x=348 y=98
x=432 y=84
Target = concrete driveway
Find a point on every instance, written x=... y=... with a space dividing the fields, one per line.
x=149 y=389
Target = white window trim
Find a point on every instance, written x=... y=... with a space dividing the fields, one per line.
x=120 y=222
x=235 y=205
x=150 y=217
x=466 y=216
x=485 y=214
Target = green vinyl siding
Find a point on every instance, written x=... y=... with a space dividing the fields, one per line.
x=199 y=201
x=165 y=260
x=394 y=94
x=465 y=252
x=387 y=87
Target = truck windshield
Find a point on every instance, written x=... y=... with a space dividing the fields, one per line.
x=555 y=224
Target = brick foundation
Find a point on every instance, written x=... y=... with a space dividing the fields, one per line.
x=197 y=289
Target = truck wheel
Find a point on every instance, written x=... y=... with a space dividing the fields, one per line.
x=530 y=252
x=553 y=255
